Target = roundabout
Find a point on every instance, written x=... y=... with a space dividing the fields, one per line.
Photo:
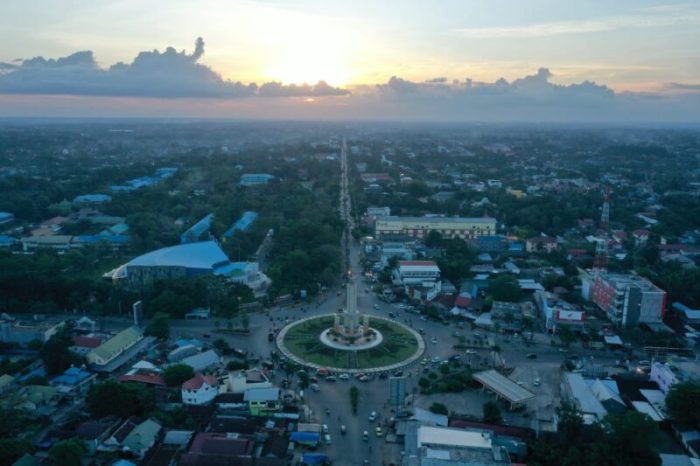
x=350 y=342
x=397 y=347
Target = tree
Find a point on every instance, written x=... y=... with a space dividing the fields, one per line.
x=67 y=452
x=178 y=374
x=683 y=403
x=492 y=413
x=123 y=400
x=56 y=354
x=245 y=321
x=566 y=336
x=221 y=345
x=303 y=380
x=354 y=399
x=438 y=408
x=505 y=288
x=159 y=326
x=12 y=449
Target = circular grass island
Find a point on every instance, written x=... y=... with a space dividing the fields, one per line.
x=302 y=343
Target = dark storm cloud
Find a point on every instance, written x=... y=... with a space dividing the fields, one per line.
x=168 y=74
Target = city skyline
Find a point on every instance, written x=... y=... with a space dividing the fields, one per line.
x=462 y=61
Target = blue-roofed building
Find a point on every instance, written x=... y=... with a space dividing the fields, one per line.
x=251 y=179
x=6 y=217
x=92 y=199
x=242 y=224
x=113 y=240
x=7 y=241
x=180 y=261
x=196 y=231
x=306 y=438
x=160 y=175
x=119 y=229
x=74 y=380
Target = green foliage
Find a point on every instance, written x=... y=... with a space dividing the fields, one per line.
x=12 y=449
x=55 y=353
x=439 y=408
x=683 y=403
x=492 y=413
x=123 y=400
x=236 y=365
x=566 y=335
x=505 y=288
x=354 y=399
x=222 y=346
x=67 y=452
x=424 y=383
x=178 y=374
x=159 y=326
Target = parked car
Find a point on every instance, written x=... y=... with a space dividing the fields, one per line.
x=315 y=387
x=331 y=378
x=344 y=376
x=372 y=416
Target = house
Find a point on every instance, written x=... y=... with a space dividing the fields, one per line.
x=203 y=361
x=115 y=440
x=84 y=344
x=182 y=352
x=240 y=381
x=200 y=389
x=74 y=381
x=92 y=199
x=219 y=448
x=546 y=244
x=115 y=346
x=142 y=437
x=252 y=179
x=95 y=431
x=262 y=401
x=666 y=376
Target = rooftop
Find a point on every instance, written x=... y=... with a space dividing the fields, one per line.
x=200 y=255
x=114 y=345
x=452 y=437
x=196 y=382
x=392 y=218
x=503 y=386
x=261 y=394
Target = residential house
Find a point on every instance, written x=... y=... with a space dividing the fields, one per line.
x=262 y=401
x=203 y=361
x=200 y=389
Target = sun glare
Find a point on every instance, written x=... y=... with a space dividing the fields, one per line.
x=308 y=52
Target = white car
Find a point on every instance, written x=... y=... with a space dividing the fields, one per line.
x=436 y=359
x=327 y=439
x=372 y=416
x=324 y=428
x=471 y=351
x=376 y=306
x=344 y=376
x=315 y=387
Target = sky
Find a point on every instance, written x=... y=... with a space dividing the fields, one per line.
x=443 y=60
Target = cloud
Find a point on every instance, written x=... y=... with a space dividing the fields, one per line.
x=168 y=74
x=640 y=19
x=683 y=87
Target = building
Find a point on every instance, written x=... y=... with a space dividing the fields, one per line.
x=24 y=332
x=262 y=401
x=84 y=344
x=142 y=437
x=240 y=381
x=181 y=261
x=74 y=381
x=92 y=199
x=420 y=279
x=401 y=228
x=375 y=212
x=444 y=446
x=575 y=390
x=558 y=313
x=198 y=230
x=628 y=300
x=251 y=179
x=242 y=224
x=541 y=244
x=509 y=316
x=219 y=448
x=115 y=346
x=6 y=217
x=203 y=361
x=665 y=376
x=200 y=389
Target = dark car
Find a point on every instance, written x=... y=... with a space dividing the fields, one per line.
x=532 y=356
x=398 y=374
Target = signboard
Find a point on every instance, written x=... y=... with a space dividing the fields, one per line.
x=138 y=313
x=397 y=390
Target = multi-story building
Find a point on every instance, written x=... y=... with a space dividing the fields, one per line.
x=559 y=313
x=666 y=376
x=420 y=279
x=628 y=300
x=401 y=228
x=200 y=389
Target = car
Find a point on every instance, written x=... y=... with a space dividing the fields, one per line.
x=327 y=439
x=383 y=375
x=206 y=335
x=359 y=375
x=392 y=315
x=470 y=351
x=324 y=428
x=424 y=361
x=343 y=430
x=398 y=374
x=344 y=376
x=423 y=318
x=378 y=431
x=365 y=436
x=436 y=359
x=365 y=378
x=315 y=387
x=434 y=341
x=372 y=416
x=531 y=356
x=455 y=357
x=537 y=382
x=313 y=380
x=331 y=378
x=421 y=331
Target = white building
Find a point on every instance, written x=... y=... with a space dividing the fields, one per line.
x=420 y=279
x=665 y=376
x=240 y=381
x=200 y=389
x=557 y=312
x=419 y=227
